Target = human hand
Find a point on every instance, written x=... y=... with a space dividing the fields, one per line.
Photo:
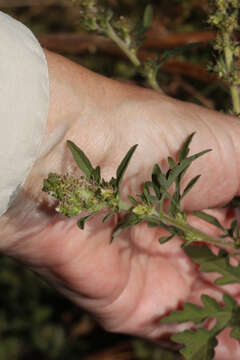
x=130 y=284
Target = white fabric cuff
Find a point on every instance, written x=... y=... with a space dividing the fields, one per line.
x=24 y=101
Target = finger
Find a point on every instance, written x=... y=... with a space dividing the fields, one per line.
x=161 y=125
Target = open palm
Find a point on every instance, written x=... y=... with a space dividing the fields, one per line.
x=130 y=284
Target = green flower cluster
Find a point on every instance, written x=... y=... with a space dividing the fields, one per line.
x=77 y=194
x=225 y=18
x=93 y=15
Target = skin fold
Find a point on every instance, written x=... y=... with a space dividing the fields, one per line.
x=131 y=284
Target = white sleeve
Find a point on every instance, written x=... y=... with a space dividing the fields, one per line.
x=24 y=101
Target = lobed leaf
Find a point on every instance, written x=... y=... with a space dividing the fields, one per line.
x=209 y=262
x=199 y=344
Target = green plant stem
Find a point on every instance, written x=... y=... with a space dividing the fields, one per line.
x=131 y=55
x=198 y=235
x=114 y=37
x=124 y=206
x=229 y=64
x=154 y=84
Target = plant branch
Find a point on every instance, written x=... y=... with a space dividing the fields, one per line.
x=229 y=65
x=196 y=234
x=122 y=45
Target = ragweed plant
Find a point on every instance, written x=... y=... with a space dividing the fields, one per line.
x=225 y=18
x=97 y=16
x=160 y=203
x=92 y=194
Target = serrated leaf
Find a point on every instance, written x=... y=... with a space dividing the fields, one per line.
x=209 y=218
x=123 y=165
x=81 y=222
x=210 y=309
x=190 y=312
x=81 y=159
x=209 y=262
x=148 y=16
x=190 y=185
x=203 y=341
x=199 y=344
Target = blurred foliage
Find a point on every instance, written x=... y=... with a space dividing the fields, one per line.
x=36 y=322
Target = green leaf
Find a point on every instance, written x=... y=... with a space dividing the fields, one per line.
x=190 y=185
x=155 y=181
x=81 y=159
x=130 y=219
x=133 y=201
x=235 y=202
x=123 y=165
x=81 y=222
x=112 y=182
x=235 y=333
x=182 y=154
x=209 y=218
x=209 y=262
x=233 y=232
x=171 y=162
x=199 y=344
x=175 y=204
x=210 y=309
x=190 y=312
x=107 y=217
x=97 y=175
x=165 y=239
x=176 y=51
x=148 y=16
x=182 y=166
